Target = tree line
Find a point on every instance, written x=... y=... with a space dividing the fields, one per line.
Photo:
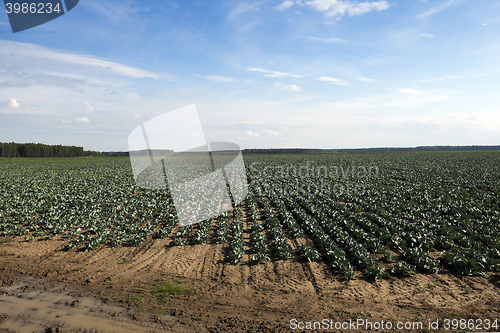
x=12 y=149
x=370 y=150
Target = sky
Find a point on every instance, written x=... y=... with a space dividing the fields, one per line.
x=262 y=74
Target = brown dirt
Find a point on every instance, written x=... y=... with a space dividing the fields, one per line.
x=242 y=297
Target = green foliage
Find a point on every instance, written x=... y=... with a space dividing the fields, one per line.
x=201 y=235
x=388 y=257
x=236 y=246
x=261 y=258
x=466 y=262
x=308 y=252
x=169 y=288
x=13 y=149
x=403 y=268
x=221 y=233
x=377 y=272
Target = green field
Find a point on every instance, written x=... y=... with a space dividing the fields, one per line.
x=373 y=215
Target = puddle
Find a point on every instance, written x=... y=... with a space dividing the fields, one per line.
x=27 y=307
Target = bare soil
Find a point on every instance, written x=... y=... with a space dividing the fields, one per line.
x=236 y=298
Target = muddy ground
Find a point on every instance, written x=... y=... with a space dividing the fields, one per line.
x=233 y=298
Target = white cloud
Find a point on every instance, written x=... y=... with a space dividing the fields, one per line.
x=426 y=35
x=65 y=121
x=31 y=53
x=269 y=73
x=289 y=89
x=454 y=77
x=243 y=8
x=284 y=5
x=216 y=78
x=3 y=23
x=84 y=120
x=122 y=13
x=393 y=99
x=466 y=122
x=333 y=8
x=137 y=115
x=366 y=79
x=328 y=40
x=436 y=9
x=410 y=91
x=27 y=111
x=240 y=138
x=88 y=108
x=270 y=132
x=250 y=133
x=333 y=80
x=14 y=104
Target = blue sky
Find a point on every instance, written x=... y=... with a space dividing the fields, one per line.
x=317 y=73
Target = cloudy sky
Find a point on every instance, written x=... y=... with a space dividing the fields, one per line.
x=271 y=73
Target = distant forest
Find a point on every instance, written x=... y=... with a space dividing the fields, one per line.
x=370 y=150
x=13 y=149
x=41 y=150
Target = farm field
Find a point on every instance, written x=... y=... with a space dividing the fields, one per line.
x=341 y=236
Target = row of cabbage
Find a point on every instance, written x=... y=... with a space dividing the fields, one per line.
x=88 y=203
x=380 y=214
x=425 y=211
